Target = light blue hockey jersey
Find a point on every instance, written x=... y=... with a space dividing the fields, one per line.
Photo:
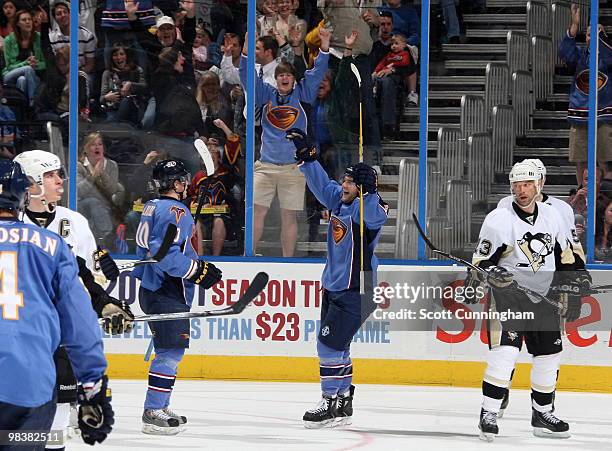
x=343 y=243
x=42 y=304
x=181 y=259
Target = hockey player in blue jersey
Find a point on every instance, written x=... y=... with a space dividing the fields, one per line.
x=343 y=309
x=43 y=304
x=168 y=287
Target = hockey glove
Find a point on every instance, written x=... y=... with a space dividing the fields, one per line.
x=584 y=280
x=107 y=264
x=569 y=297
x=471 y=284
x=96 y=414
x=304 y=150
x=365 y=176
x=205 y=274
x=118 y=318
x=499 y=277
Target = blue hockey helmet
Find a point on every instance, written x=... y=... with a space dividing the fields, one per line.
x=13 y=185
x=166 y=172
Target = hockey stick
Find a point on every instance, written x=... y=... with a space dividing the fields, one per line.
x=257 y=285
x=514 y=285
x=205 y=156
x=361 y=231
x=167 y=241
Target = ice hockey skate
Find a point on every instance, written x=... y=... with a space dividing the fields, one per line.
x=546 y=424
x=322 y=415
x=488 y=425
x=344 y=408
x=181 y=418
x=158 y=422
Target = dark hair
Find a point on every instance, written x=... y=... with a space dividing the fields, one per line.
x=4 y=21
x=131 y=65
x=284 y=68
x=269 y=43
x=168 y=57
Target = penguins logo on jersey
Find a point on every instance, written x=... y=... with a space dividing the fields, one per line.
x=325 y=331
x=178 y=213
x=64 y=227
x=536 y=248
x=339 y=229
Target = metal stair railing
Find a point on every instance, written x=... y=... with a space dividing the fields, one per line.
x=522 y=101
x=542 y=65
x=561 y=19
x=518 y=46
x=407 y=203
x=503 y=135
x=451 y=153
x=480 y=167
x=459 y=212
x=472 y=115
x=538 y=19
x=497 y=88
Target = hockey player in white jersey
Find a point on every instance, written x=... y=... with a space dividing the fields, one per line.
x=45 y=170
x=568 y=225
x=525 y=243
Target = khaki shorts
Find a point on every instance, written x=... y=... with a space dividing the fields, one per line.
x=578 y=143
x=287 y=180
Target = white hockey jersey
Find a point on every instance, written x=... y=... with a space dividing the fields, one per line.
x=568 y=220
x=74 y=229
x=525 y=244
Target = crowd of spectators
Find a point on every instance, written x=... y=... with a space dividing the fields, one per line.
x=170 y=70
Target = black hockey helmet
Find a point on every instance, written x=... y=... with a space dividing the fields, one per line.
x=166 y=172
x=13 y=185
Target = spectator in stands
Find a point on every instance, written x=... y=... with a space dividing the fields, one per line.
x=167 y=37
x=231 y=60
x=23 y=56
x=59 y=36
x=52 y=99
x=603 y=233
x=451 y=20
x=286 y=20
x=213 y=104
x=200 y=52
x=266 y=58
x=98 y=188
x=382 y=45
x=267 y=19
x=405 y=20
x=216 y=190
x=577 y=113
x=276 y=171
x=344 y=17
x=117 y=18
x=177 y=113
x=578 y=201
x=123 y=93
x=387 y=75
x=7 y=132
x=6 y=17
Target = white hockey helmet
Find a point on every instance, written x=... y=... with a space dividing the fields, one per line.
x=35 y=163
x=524 y=171
x=538 y=164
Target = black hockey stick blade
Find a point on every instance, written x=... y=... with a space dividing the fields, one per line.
x=257 y=285
x=167 y=241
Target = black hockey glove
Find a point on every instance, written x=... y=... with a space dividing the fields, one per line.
x=472 y=282
x=107 y=264
x=584 y=280
x=304 y=149
x=569 y=297
x=117 y=315
x=205 y=274
x=365 y=176
x=499 y=277
x=96 y=415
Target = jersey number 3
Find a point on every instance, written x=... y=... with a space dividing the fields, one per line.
x=10 y=298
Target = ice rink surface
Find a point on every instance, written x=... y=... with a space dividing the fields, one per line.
x=267 y=416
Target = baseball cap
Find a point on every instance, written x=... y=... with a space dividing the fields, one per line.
x=164 y=20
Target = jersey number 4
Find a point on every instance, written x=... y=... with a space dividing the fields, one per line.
x=10 y=298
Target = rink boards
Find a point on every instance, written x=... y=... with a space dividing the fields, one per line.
x=275 y=338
